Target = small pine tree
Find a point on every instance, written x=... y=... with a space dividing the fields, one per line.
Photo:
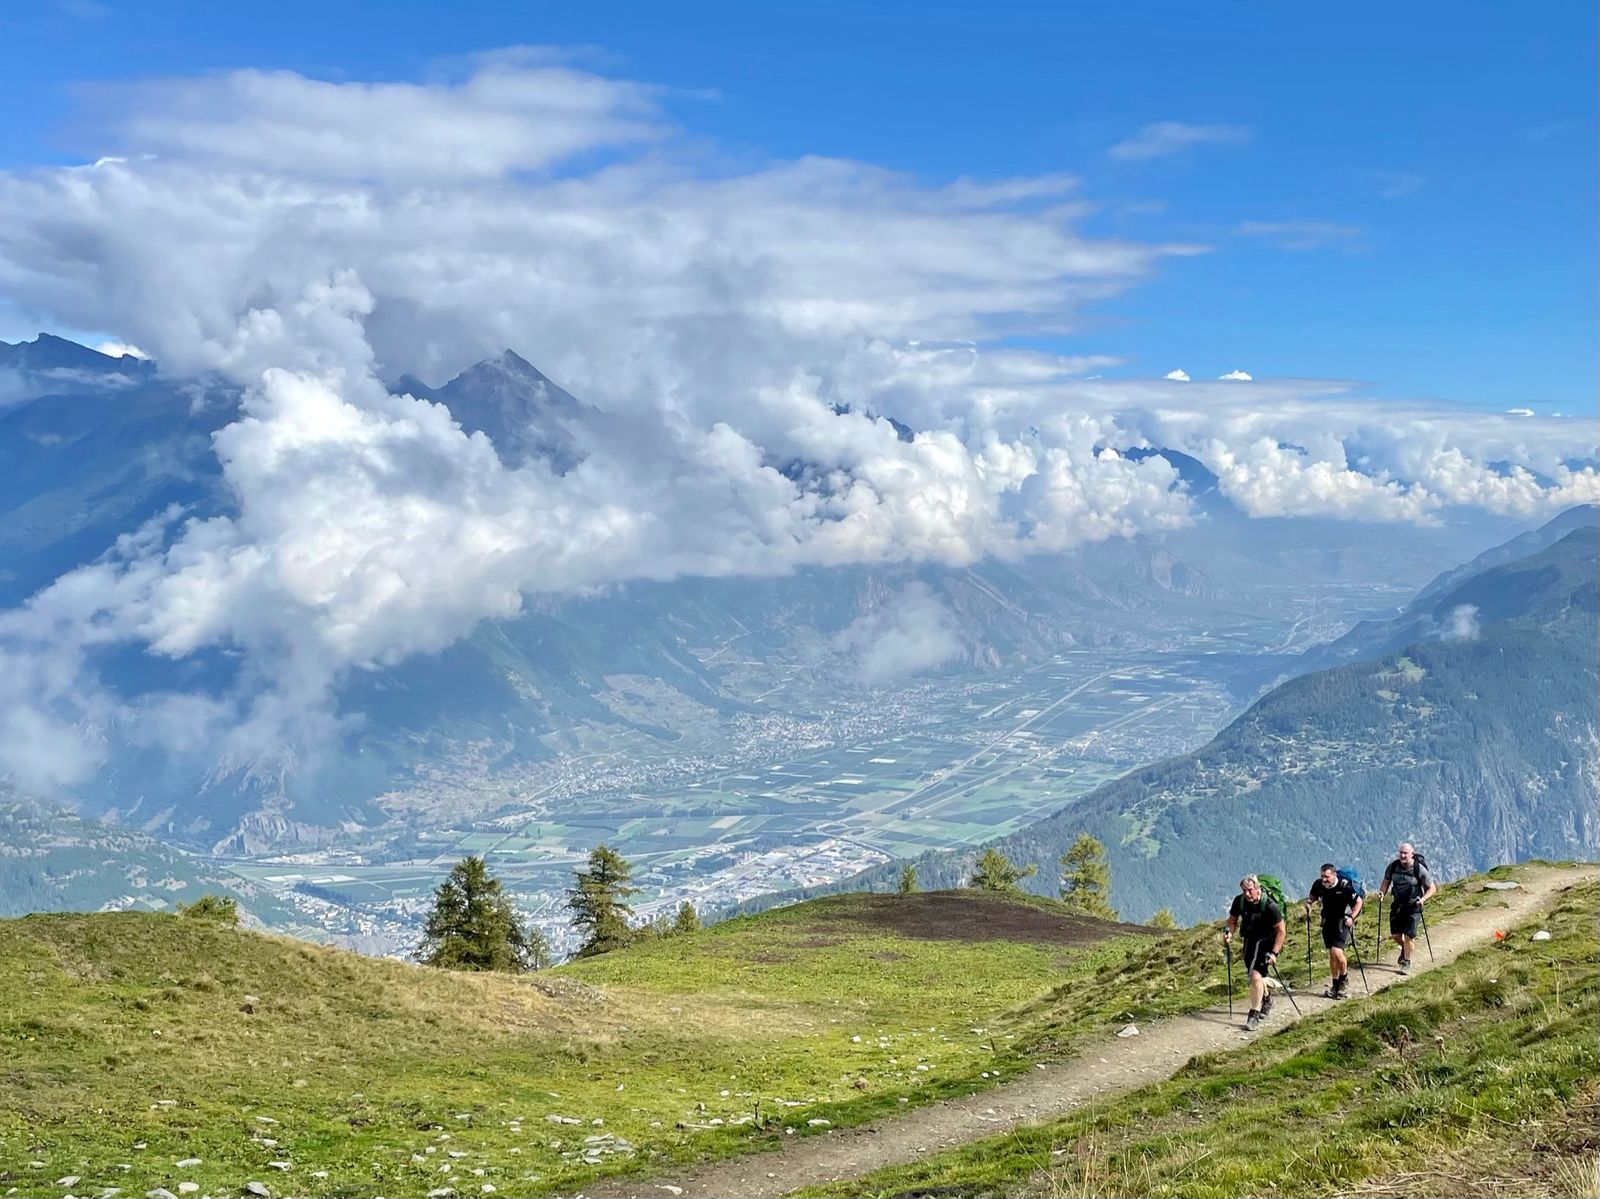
x=908 y=879
x=1086 y=879
x=473 y=926
x=599 y=902
x=1164 y=920
x=688 y=920
x=995 y=872
x=222 y=909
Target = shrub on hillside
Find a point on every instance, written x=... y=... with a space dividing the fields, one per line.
x=222 y=909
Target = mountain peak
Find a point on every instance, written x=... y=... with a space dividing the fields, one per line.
x=510 y=360
x=47 y=352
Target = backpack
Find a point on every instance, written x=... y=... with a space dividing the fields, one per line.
x=1272 y=888
x=1418 y=864
x=1351 y=875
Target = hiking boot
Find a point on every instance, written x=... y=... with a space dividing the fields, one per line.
x=1266 y=1005
x=1405 y=965
x=1332 y=991
x=1252 y=1021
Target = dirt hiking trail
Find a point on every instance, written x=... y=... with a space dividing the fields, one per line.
x=1111 y=1067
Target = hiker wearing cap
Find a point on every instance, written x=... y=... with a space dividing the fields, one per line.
x=1409 y=886
x=1259 y=923
x=1341 y=904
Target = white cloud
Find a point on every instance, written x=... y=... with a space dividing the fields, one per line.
x=1519 y=411
x=507 y=115
x=1235 y=377
x=1177 y=376
x=912 y=633
x=735 y=328
x=1462 y=623
x=121 y=349
x=1164 y=138
x=1300 y=235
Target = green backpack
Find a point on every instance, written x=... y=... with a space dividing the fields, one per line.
x=1272 y=888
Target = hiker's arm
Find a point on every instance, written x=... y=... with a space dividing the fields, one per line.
x=1356 y=911
x=1278 y=931
x=1233 y=923
x=1430 y=891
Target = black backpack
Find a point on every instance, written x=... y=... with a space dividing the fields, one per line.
x=1419 y=863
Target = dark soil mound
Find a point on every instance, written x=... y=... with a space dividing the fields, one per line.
x=971 y=916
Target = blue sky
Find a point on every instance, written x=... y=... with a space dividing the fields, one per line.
x=1419 y=179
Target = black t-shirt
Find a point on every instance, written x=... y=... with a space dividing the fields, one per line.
x=1406 y=885
x=1337 y=900
x=1256 y=920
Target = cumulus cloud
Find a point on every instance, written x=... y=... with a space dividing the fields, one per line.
x=1519 y=411
x=913 y=633
x=1235 y=377
x=1164 y=138
x=738 y=331
x=1177 y=376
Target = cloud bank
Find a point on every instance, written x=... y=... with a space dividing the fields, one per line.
x=737 y=329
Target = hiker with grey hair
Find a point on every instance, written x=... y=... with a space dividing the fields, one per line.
x=1259 y=923
x=1409 y=886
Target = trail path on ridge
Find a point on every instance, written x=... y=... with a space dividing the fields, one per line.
x=1107 y=1068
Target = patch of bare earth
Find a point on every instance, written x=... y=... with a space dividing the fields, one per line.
x=972 y=916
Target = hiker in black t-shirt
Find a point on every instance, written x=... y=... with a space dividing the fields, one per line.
x=1260 y=926
x=1340 y=907
x=1409 y=885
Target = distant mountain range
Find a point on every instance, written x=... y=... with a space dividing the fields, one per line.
x=51 y=858
x=1475 y=737
x=92 y=446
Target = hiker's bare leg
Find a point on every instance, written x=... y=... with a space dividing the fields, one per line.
x=1258 y=990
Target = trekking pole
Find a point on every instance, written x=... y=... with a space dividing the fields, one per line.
x=1355 y=944
x=1286 y=990
x=1227 y=952
x=1377 y=936
x=1423 y=916
x=1308 y=947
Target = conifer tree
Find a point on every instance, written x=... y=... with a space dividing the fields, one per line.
x=473 y=926
x=599 y=902
x=908 y=879
x=1164 y=920
x=688 y=920
x=995 y=872
x=1086 y=879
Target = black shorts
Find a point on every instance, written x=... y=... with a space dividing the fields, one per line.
x=1338 y=935
x=1403 y=919
x=1255 y=956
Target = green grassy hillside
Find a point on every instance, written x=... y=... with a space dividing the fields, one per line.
x=1478 y=1078
x=137 y=1041
x=134 y=1041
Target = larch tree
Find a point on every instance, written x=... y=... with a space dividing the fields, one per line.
x=599 y=902
x=474 y=927
x=1086 y=879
